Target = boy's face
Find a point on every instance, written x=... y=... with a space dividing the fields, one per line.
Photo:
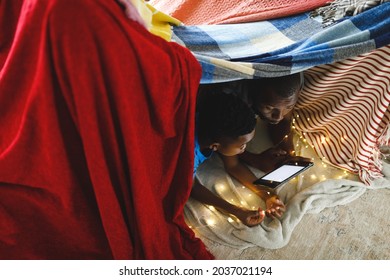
x=272 y=108
x=232 y=147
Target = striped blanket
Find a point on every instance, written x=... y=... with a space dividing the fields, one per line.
x=344 y=106
x=343 y=112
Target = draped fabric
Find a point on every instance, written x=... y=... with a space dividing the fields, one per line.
x=282 y=46
x=339 y=9
x=343 y=112
x=95 y=116
x=198 y=12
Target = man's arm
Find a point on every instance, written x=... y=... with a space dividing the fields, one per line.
x=265 y=161
x=281 y=134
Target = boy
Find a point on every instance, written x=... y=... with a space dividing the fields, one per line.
x=225 y=124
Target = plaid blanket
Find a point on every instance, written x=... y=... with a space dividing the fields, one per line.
x=282 y=46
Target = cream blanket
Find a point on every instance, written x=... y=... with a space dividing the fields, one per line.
x=320 y=187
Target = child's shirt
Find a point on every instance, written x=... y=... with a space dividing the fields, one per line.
x=199 y=156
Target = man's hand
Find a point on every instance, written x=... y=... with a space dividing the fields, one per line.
x=265 y=161
x=276 y=157
x=290 y=158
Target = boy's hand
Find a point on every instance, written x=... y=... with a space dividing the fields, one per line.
x=275 y=207
x=250 y=218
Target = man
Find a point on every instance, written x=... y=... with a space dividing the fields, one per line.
x=273 y=100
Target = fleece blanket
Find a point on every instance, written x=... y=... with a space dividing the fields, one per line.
x=282 y=46
x=195 y=12
x=320 y=187
x=96 y=135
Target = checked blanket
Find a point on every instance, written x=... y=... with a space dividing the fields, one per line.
x=281 y=46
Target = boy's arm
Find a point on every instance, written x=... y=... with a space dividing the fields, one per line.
x=204 y=195
x=238 y=170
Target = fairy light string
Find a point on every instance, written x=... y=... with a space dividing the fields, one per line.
x=244 y=197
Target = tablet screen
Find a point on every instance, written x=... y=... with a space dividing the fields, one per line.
x=283 y=172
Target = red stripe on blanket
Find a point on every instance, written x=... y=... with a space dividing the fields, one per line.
x=344 y=112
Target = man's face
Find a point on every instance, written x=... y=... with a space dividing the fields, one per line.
x=273 y=108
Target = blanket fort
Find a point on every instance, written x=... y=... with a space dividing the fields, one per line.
x=96 y=114
x=355 y=52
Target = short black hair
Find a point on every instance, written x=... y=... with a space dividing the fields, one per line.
x=284 y=86
x=224 y=115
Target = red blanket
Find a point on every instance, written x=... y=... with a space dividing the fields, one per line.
x=96 y=135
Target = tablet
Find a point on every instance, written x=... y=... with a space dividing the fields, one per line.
x=282 y=174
